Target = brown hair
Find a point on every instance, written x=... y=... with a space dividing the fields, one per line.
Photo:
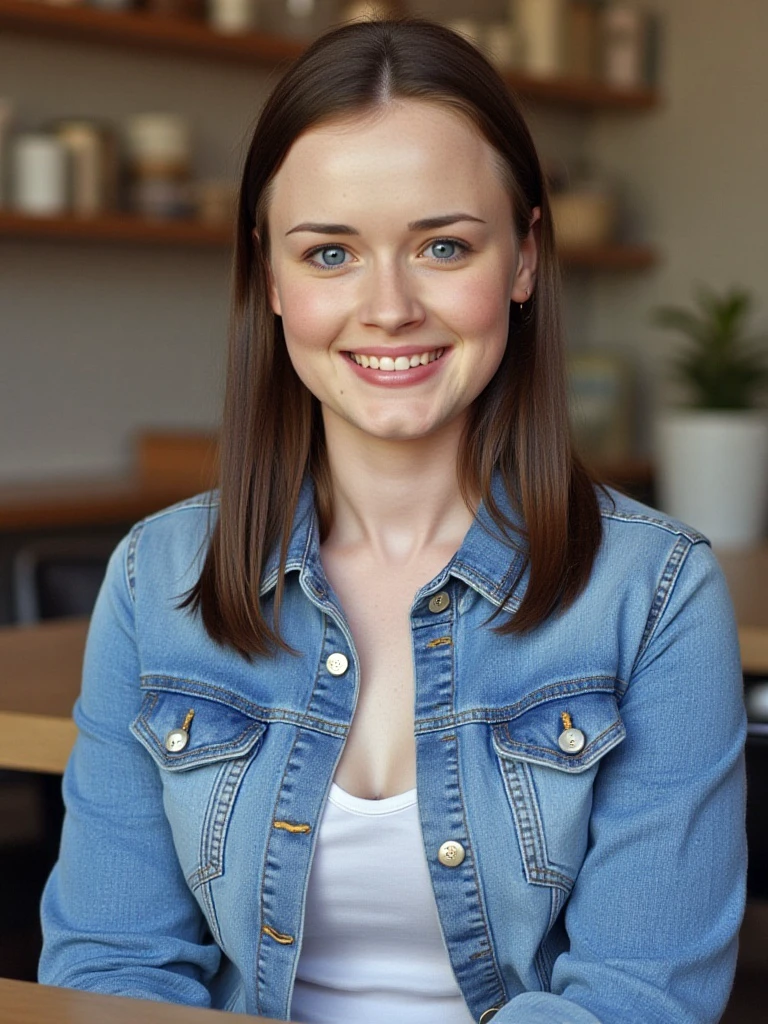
x=272 y=432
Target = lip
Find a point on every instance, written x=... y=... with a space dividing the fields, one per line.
x=396 y=378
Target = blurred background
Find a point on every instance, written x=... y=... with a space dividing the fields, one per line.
x=123 y=127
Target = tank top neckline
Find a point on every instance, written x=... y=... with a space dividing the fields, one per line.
x=361 y=805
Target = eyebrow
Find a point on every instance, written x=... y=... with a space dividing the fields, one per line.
x=426 y=224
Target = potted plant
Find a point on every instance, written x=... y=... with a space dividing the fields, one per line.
x=712 y=457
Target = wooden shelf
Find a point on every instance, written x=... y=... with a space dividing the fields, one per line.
x=610 y=257
x=124 y=228
x=139 y=30
x=115 y=227
x=581 y=93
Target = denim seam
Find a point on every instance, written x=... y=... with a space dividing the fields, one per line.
x=638 y=517
x=216 y=823
x=584 y=760
x=210 y=691
x=530 y=833
x=211 y=751
x=663 y=592
x=212 y=917
x=196 y=502
x=569 y=688
x=130 y=560
x=273 y=815
x=473 y=863
x=489 y=589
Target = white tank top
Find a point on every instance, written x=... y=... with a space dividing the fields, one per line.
x=372 y=948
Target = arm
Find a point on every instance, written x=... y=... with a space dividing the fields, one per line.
x=117 y=914
x=654 y=916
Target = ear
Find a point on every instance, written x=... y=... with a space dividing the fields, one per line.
x=272 y=293
x=528 y=259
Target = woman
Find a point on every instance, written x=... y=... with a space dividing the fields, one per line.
x=440 y=732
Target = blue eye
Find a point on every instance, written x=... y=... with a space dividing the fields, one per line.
x=330 y=256
x=443 y=250
x=447 y=250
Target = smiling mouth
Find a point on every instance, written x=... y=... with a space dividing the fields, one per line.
x=390 y=364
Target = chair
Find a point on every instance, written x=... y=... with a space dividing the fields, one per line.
x=58 y=578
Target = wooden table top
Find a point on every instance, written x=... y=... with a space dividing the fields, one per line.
x=747 y=576
x=22 y=1002
x=40 y=669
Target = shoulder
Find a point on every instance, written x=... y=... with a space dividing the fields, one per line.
x=656 y=565
x=645 y=543
x=169 y=544
x=628 y=518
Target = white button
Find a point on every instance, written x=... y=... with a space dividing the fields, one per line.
x=176 y=740
x=571 y=741
x=439 y=602
x=451 y=854
x=337 y=664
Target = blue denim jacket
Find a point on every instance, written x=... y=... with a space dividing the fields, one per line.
x=601 y=884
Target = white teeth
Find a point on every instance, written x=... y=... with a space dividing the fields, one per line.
x=401 y=363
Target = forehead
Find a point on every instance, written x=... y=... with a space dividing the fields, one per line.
x=405 y=153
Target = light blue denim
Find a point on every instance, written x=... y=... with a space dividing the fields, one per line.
x=605 y=885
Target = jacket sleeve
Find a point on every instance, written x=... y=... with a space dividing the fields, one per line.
x=654 y=915
x=117 y=915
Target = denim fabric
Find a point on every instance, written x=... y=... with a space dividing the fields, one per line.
x=605 y=885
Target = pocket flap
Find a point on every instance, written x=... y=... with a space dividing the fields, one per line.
x=216 y=732
x=533 y=734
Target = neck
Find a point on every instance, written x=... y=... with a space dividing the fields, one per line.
x=396 y=498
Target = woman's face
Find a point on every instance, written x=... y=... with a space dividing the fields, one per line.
x=393 y=264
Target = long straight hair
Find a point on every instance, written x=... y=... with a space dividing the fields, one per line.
x=272 y=433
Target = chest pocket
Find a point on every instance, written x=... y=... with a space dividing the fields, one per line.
x=550 y=788
x=202 y=747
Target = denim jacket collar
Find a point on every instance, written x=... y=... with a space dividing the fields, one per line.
x=487 y=560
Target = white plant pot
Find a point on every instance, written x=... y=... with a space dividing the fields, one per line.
x=713 y=473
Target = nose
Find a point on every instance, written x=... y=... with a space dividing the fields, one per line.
x=390 y=300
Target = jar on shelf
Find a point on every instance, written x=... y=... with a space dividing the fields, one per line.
x=93 y=165
x=159 y=165
x=300 y=19
x=233 y=17
x=625 y=39
x=6 y=120
x=39 y=174
x=542 y=25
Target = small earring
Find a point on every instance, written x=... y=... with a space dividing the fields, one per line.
x=527 y=292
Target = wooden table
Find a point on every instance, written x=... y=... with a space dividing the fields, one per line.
x=747 y=575
x=22 y=1002
x=40 y=669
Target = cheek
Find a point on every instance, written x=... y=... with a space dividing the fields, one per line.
x=311 y=313
x=478 y=307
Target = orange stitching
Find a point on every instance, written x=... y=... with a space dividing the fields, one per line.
x=440 y=642
x=284 y=940
x=291 y=828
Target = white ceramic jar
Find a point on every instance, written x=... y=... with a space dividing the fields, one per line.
x=39 y=174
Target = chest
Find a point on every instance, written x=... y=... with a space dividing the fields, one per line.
x=379 y=756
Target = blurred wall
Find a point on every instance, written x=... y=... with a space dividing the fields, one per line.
x=697 y=171
x=98 y=341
